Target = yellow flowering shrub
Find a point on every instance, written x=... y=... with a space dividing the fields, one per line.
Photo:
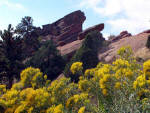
x=146 y=69
x=117 y=81
x=58 y=109
x=122 y=86
x=125 y=53
x=76 y=67
x=117 y=85
x=89 y=72
x=142 y=82
x=77 y=101
x=81 y=110
x=2 y=89
x=17 y=86
x=61 y=90
x=84 y=85
x=32 y=77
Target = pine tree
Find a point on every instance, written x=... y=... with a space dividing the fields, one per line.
x=26 y=30
x=48 y=59
x=11 y=55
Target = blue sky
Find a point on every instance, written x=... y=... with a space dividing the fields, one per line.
x=117 y=15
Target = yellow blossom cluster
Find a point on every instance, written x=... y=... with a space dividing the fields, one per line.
x=76 y=67
x=77 y=100
x=146 y=69
x=125 y=53
x=82 y=110
x=2 y=89
x=31 y=77
x=89 y=72
x=84 y=85
x=55 y=109
x=142 y=82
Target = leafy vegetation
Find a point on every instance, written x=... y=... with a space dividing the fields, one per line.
x=27 y=31
x=123 y=86
x=48 y=60
x=21 y=44
x=148 y=42
x=11 y=55
x=14 y=48
x=87 y=53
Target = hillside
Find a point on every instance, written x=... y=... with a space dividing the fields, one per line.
x=108 y=53
x=136 y=42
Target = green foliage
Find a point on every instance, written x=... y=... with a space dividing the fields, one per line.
x=148 y=42
x=86 y=54
x=26 y=26
x=4 y=67
x=26 y=30
x=48 y=59
x=11 y=55
x=16 y=45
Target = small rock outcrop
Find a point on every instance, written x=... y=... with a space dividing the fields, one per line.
x=98 y=27
x=123 y=34
x=146 y=31
x=65 y=30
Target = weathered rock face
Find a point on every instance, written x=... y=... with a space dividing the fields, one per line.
x=65 y=30
x=147 y=31
x=123 y=34
x=136 y=42
x=98 y=27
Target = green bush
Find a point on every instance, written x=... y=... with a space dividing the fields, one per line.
x=86 y=54
x=148 y=42
x=48 y=59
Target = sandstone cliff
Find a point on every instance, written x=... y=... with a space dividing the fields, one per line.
x=67 y=29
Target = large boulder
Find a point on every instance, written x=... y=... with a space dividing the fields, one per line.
x=98 y=27
x=123 y=34
x=146 y=31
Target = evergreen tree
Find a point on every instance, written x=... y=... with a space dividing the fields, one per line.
x=11 y=55
x=148 y=42
x=26 y=30
x=48 y=59
x=86 y=54
x=25 y=27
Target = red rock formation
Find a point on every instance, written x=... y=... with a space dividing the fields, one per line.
x=65 y=30
x=61 y=43
x=147 y=31
x=136 y=42
x=123 y=34
x=98 y=27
